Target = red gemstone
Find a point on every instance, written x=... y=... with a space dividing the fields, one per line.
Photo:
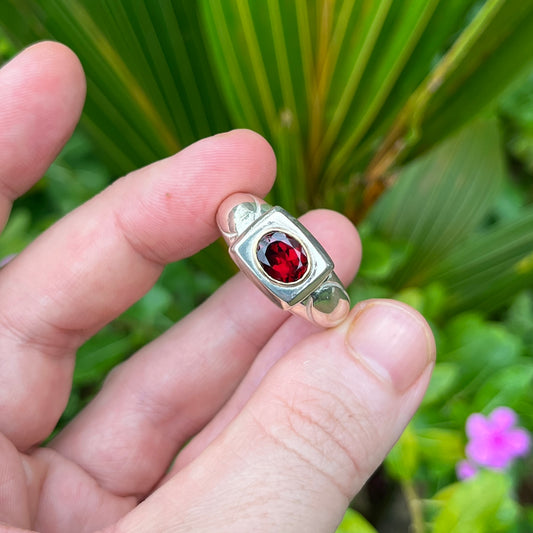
x=282 y=257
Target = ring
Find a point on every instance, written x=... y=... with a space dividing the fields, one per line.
x=283 y=259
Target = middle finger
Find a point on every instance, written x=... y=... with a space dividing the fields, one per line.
x=97 y=261
x=169 y=390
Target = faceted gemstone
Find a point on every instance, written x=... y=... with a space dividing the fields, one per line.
x=282 y=257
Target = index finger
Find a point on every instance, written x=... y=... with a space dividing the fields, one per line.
x=101 y=258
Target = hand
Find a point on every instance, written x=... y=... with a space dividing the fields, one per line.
x=287 y=422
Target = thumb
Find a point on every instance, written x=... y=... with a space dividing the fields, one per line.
x=319 y=424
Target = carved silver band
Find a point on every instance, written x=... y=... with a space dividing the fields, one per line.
x=283 y=259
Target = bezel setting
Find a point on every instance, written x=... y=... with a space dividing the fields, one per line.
x=244 y=252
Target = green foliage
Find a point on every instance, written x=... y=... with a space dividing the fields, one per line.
x=421 y=445
x=16 y=235
x=365 y=74
x=488 y=269
x=6 y=48
x=517 y=110
x=341 y=89
x=440 y=198
x=150 y=88
x=508 y=386
x=430 y=230
x=479 y=505
x=402 y=461
x=353 y=522
x=481 y=365
x=443 y=380
x=444 y=444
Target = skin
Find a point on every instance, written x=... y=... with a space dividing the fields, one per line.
x=286 y=422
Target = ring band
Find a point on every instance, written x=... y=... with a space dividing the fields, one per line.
x=283 y=259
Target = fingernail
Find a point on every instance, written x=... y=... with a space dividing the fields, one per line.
x=392 y=341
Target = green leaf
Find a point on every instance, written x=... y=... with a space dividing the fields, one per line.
x=519 y=319
x=476 y=506
x=353 y=522
x=447 y=20
x=15 y=236
x=323 y=81
x=516 y=107
x=398 y=37
x=265 y=87
x=151 y=306
x=378 y=259
x=440 y=447
x=361 y=290
x=7 y=50
x=412 y=296
x=490 y=268
x=402 y=461
x=443 y=380
x=494 y=48
x=510 y=387
x=479 y=348
x=74 y=177
x=440 y=198
x=150 y=87
x=99 y=355
x=341 y=89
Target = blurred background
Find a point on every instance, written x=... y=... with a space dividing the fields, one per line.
x=415 y=119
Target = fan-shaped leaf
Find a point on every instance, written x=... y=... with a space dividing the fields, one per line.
x=489 y=269
x=340 y=88
x=150 y=87
x=440 y=198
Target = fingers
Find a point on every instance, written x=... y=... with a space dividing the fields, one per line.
x=101 y=258
x=153 y=403
x=290 y=333
x=14 y=501
x=321 y=421
x=42 y=91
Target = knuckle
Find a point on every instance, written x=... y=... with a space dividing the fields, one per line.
x=38 y=335
x=138 y=243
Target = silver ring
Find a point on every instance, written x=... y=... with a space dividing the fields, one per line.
x=283 y=259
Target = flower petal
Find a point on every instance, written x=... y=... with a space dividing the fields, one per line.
x=479 y=451
x=489 y=452
x=503 y=418
x=519 y=441
x=500 y=458
x=477 y=426
x=465 y=470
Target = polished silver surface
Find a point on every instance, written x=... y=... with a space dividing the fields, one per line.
x=237 y=213
x=318 y=296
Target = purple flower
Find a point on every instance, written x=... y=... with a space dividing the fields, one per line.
x=465 y=470
x=494 y=442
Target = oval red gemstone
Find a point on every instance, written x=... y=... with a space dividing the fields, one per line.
x=282 y=257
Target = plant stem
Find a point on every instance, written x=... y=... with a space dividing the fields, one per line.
x=415 y=507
